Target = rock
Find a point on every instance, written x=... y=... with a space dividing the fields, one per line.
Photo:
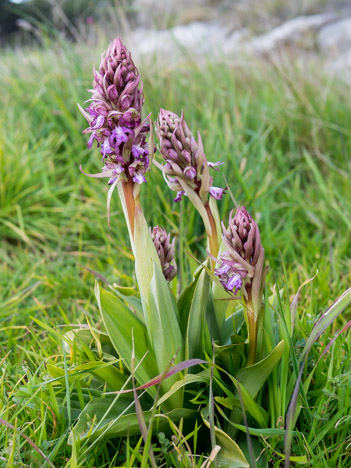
x=289 y=32
x=197 y=39
x=335 y=39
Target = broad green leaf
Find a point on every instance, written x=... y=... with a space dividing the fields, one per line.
x=232 y=325
x=230 y=356
x=131 y=297
x=228 y=402
x=104 y=371
x=195 y=334
x=121 y=420
x=109 y=374
x=203 y=376
x=253 y=377
x=230 y=454
x=184 y=302
x=121 y=325
x=83 y=339
x=145 y=257
x=211 y=320
x=164 y=331
x=256 y=411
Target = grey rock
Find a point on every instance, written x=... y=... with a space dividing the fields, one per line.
x=289 y=32
x=335 y=39
x=198 y=39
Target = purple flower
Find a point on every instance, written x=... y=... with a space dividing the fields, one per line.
x=233 y=283
x=214 y=165
x=105 y=148
x=91 y=140
x=98 y=122
x=138 y=151
x=217 y=192
x=223 y=269
x=119 y=135
x=139 y=178
x=179 y=196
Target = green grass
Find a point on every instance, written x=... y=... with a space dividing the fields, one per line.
x=284 y=135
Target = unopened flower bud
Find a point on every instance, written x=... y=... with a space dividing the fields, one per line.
x=165 y=251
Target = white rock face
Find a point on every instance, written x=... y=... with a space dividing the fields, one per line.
x=335 y=39
x=211 y=39
x=197 y=39
x=289 y=32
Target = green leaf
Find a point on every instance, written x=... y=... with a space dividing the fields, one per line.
x=145 y=256
x=326 y=319
x=232 y=325
x=253 y=377
x=195 y=334
x=96 y=420
x=256 y=411
x=121 y=324
x=130 y=297
x=203 y=376
x=164 y=333
x=104 y=371
x=230 y=454
x=184 y=302
x=230 y=356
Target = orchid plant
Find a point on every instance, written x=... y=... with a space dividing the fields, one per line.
x=199 y=357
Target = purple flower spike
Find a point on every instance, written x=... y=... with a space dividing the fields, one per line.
x=165 y=251
x=184 y=158
x=114 y=116
x=244 y=254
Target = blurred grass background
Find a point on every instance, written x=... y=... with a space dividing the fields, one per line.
x=282 y=130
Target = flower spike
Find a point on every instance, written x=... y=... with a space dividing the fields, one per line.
x=242 y=268
x=114 y=116
x=165 y=251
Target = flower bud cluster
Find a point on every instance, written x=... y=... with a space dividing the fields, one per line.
x=243 y=244
x=165 y=251
x=114 y=116
x=186 y=164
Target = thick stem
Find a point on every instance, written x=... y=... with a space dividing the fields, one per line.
x=130 y=205
x=213 y=238
x=252 y=324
